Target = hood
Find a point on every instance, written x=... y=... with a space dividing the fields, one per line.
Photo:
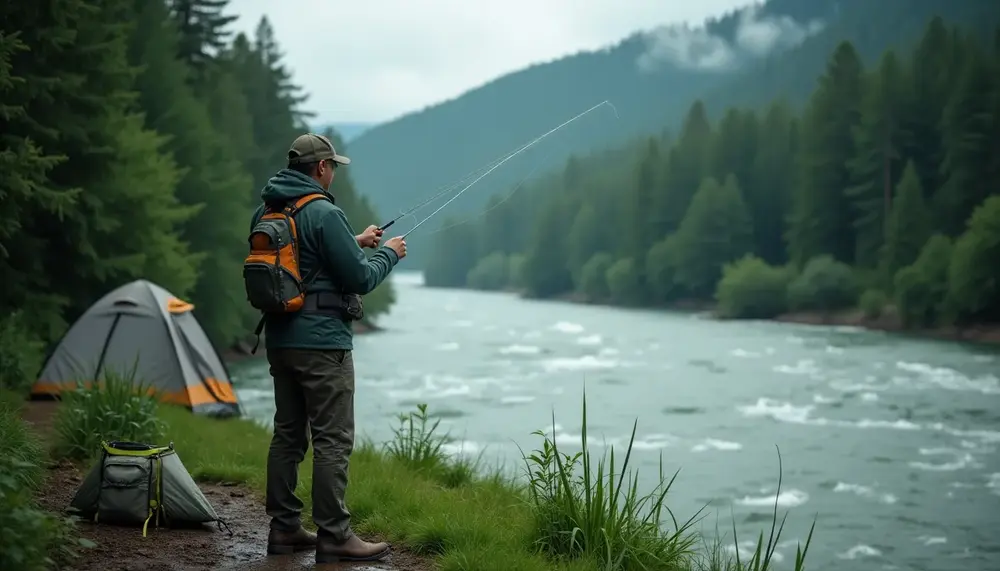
x=287 y=184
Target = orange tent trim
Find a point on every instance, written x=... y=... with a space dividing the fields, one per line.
x=175 y=305
x=190 y=397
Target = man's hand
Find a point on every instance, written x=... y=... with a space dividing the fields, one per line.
x=370 y=237
x=398 y=244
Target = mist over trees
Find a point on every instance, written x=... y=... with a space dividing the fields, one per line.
x=744 y=58
x=882 y=188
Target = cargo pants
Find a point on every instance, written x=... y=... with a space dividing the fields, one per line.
x=313 y=396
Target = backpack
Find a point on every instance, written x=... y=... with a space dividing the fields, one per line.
x=271 y=272
x=135 y=484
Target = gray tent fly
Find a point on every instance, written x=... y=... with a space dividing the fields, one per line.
x=136 y=484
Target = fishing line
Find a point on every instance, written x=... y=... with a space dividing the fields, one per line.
x=441 y=192
x=507 y=158
x=446 y=189
x=499 y=204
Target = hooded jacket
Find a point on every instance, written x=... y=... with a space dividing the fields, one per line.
x=327 y=241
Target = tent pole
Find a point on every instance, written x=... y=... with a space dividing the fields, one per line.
x=104 y=349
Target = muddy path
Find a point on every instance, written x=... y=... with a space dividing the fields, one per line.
x=203 y=548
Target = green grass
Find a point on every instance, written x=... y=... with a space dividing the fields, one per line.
x=117 y=408
x=30 y=538
x=570 y=513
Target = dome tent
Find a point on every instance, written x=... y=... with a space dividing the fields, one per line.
x=141 y=326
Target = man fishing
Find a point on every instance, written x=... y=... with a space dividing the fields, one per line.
x=310 y=356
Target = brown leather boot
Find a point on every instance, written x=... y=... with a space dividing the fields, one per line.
x=286 y=542
x=354 y=549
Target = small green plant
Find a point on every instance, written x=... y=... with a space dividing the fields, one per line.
x=579 y=513
x=119 y=408
x=873 y=303
x=30 y=538
x=416 y=445
x=762 y=555
x=589 y=514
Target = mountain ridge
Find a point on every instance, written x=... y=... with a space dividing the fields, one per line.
x=401 y=162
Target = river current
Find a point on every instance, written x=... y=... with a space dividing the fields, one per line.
x=890 y=442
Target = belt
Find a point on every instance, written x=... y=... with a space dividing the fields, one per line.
x=324 y=302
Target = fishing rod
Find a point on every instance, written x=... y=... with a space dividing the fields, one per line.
x=507 y=158
x=444 y=190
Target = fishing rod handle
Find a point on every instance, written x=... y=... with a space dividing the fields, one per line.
x=390 y=223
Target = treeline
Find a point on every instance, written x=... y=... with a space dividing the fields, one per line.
x=135 y=136
x=510 y=110
x=883 y=187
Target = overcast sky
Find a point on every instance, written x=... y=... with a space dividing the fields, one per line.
x=373 y=60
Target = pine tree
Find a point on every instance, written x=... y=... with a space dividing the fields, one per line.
x=202 y=31
x=584 y=239
x=646 y=212
x=876 y=167
x=968 y=131
x=734 y=146
x=213 y=178
x=688 y=163
x=931 y=79
x=545 y=273
x=716 y=230
x=909 y=225
x=79 y=109
x=974 y=275
x=271 y=98
x=25 y=191
x=821 y=220
x=769 y=194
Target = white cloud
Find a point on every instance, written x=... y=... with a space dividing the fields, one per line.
x=694 y=47
x=377 y=59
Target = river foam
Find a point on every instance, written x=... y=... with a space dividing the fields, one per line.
x=717 y=445
x=926 y=376
x=568 y=327
x=787 y=499
x=864 y=492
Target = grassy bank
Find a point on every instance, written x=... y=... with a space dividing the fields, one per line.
x=573 y=512
x=410 y=493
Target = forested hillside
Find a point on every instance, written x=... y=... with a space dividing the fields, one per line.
x=135 y=136
x=741 y=59
x=882 y=190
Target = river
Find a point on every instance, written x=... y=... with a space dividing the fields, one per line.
x=889 y=441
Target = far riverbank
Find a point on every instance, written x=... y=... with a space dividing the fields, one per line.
x=888 y=321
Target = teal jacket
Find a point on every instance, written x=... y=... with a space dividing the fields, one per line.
x=327 y=240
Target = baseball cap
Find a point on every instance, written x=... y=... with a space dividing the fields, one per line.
x=312 y=148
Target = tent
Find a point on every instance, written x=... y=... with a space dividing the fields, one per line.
x=142 y=326
x=140 y=484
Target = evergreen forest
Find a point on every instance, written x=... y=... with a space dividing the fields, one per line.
x=881 y=191
x=135 y=136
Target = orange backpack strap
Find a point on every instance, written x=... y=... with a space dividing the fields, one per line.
x=295 y=207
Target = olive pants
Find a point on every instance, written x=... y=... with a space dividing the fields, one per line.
x=313 y=396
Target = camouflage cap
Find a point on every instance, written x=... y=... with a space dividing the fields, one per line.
x=312 y=148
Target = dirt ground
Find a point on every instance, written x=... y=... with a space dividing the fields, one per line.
x=204 y=548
